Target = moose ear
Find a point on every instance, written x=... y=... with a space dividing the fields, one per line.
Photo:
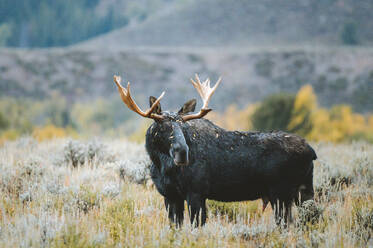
x=189 y=106
x=157 y=109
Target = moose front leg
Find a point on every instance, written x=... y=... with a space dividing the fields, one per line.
x=175 y=210
x=197 y=204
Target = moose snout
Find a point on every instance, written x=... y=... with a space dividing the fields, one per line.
x=180 y=154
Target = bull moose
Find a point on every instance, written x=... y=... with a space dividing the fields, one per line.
x=194 y=160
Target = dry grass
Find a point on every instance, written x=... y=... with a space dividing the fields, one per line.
x=107 y=201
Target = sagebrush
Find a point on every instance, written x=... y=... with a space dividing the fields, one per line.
x=46 y=201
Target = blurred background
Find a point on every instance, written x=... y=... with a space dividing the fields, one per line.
x=301 y=66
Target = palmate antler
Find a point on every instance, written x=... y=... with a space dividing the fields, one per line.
x=205 y=91
x=125 y=94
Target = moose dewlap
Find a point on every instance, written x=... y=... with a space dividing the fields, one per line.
x=194 y=160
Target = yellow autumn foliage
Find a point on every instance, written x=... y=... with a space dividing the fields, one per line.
x=337 y=124
x=370 y=122
x=233 y=118
x=48 y=132
x=305 y=105
x=8 y=135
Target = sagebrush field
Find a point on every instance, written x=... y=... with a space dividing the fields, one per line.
x=68 y=193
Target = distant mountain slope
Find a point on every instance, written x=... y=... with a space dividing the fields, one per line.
x=242 y=22
x=342 y=75
x=56 y=23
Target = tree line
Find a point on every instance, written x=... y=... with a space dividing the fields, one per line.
x=297 y=113
x=48 y=23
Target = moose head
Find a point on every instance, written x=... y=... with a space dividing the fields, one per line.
x=167 y=129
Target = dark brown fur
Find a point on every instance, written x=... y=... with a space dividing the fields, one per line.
x=226 y=166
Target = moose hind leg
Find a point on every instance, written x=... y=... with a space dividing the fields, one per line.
x=305 y=188
x=175 y=211
x=282 y=211
x=281 y=199
x=307 y=193
x=196 y=204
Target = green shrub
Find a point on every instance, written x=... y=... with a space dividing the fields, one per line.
x=71 y=237
x=233 y=210
x=264 y=67
x=274 y=113
x=309 y=212
x=349 y=34
x=5 y=33
x=4 y=123
x=86 y=199
x=118 y=218
x=362 y=218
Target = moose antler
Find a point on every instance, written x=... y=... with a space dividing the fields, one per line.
x=205 y=91
x=125 y=94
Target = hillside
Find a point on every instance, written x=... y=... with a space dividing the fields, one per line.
x=44 y=23
x=232 y=23
x=342 y=75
